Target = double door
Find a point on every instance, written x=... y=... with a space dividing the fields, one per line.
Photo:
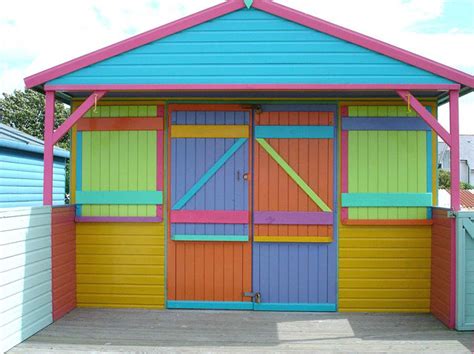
x=251 y=208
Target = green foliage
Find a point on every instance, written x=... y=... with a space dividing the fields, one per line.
x=444 y=181
x=24 y=110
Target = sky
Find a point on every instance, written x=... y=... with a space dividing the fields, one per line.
x=36 y=35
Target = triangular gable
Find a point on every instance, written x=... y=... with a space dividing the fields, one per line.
x=229 y=44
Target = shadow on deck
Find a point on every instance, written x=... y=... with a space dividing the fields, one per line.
x=219 y=331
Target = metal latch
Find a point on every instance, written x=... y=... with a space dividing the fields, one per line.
x=256 y=297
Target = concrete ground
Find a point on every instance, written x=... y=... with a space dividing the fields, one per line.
x=145 y=331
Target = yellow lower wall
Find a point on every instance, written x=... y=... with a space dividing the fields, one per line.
x=384 y=269
x=120 y=265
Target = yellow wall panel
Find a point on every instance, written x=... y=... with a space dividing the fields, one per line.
x=120 y=265
x=384 y=269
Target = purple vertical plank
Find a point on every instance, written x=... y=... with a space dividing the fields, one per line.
x=323 y=273
x=264 y=260
x=274 y=275
x=190 y=175
x=179 y=178
x=192 y=157
x=303 y=276
x=219 y=178
x=293 y=271
x=283 y=272
x=313 y=286
x=332 y=273
x=200 y=155
x=256 y=284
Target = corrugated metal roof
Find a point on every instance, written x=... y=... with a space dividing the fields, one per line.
x=16 y=139
x=467 y=200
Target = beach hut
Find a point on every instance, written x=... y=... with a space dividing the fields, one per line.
x=21 y=170
x=254 y=157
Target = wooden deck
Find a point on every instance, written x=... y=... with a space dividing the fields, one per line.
x=101 y=330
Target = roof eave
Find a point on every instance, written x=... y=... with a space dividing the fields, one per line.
x=268 y=6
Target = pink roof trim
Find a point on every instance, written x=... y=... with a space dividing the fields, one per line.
x=264 y=5
x=253 y=87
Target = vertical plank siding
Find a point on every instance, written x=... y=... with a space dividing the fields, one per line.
x=21 y=178
x=295 y=273
x=386 y=162
x=63 y=240
x=465 y=271
x=120 y=265
x=441 y=277
x=25 y=273
x=312 y=160
x=119 y=161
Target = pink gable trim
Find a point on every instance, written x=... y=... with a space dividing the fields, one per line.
x=134 y=42
x=253 y=87
x=264 y=5
x=365 y=41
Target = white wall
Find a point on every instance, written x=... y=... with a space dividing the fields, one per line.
x=25 y=273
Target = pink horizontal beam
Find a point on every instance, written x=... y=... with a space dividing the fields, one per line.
x=364 y=41
x=133 y=42
x=77 y=114
x=254 y=87
x=119 y=124
x=118 y=219
x=292 y=218
x=425 y=114
x=209 y=217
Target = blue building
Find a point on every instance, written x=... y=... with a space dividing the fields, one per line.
x=21 y=170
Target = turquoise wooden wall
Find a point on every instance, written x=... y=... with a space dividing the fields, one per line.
x=25 y=273
x=465 y=271
x=248 y=47
x=21 y=176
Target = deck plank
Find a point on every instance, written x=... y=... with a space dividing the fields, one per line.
x=120 y=330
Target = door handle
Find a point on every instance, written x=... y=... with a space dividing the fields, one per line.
x=256 y=297
x=246 y=176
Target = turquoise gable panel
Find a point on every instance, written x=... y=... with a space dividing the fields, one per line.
x=250 y=47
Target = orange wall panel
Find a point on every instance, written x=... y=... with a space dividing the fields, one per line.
x=63 y=245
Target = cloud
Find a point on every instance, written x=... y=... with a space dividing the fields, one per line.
x=39 y=34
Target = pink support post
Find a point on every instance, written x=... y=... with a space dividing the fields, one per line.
x=455 y=190
x=48 y=149
x=454 y=132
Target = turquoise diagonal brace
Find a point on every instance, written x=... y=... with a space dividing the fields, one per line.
x=211 y=172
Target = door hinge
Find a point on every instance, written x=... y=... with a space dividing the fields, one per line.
x=256 y=297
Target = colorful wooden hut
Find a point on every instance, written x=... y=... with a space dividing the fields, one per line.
x=251 y=156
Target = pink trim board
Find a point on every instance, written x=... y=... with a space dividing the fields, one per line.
x=344 y=170
x=292 y=218
x=48 y=148
x=253 y=87
x=160 y=112
x=263 y=5
x=113 y=219
x=209 y=217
